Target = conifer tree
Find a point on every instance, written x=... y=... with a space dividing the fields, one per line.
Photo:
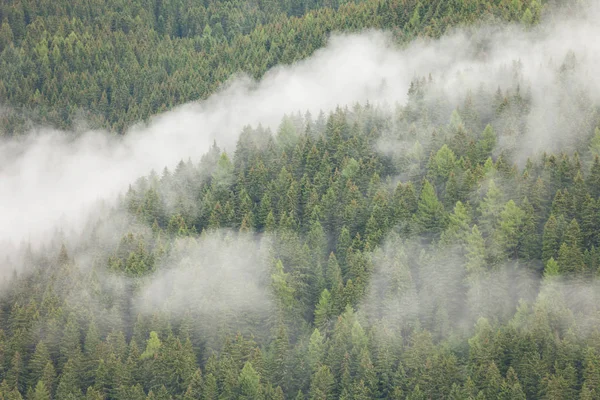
x=37 y=363
x=430 y=215
x=249 y=382
x=322 y=382
x=550 y=241
x=40 y=392
x=69 y=381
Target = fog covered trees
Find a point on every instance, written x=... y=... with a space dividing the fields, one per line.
x=305 y=262
x=457 y=281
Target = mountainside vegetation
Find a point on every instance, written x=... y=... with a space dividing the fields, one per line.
x=111 y=64
x=467 y=279
x=407 y=251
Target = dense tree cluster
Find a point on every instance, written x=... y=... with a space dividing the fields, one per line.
x=404 y=252
x=472 y=276
x=117 y=62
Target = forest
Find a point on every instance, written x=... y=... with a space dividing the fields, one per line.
x=110 y=64
x=445 y=246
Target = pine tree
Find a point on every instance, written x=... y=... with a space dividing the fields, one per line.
x=486 y=144
x=316 y=350
x=441 y=165
x=530 y=239
x=510 y=229
x=492 y=384
x=49 y=377
x=490 y=209
x=551 y=269
x=476 y=263
x=93 y=394
x=367 y=376
x=416 y=394
x=195 y=388
x=102 y=378
x=481 y=351
x=562 y=204
x=249 y=382
x=37 y=363
x=591 y=371
x=280 y=373
x=41 y=392
x=430 y=216
x=589 y=221
x=15 y=375
x=572 y=235
x=153 y=344
x=458 y=226
x=570 y=259
x=511 y=388
x=322 y=382
x=69 y=381
x=161 y=394
x=593 y=178
x=595 y=143
x=324 y=311
x=550 y=240
x=90 y=349
x=174 y=365
x=6 y=35
x=210 y=388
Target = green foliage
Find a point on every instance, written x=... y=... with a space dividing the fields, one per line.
x=152 y=346
x=114 y=63
x=375 y=288
x=431 y=215
x=249 y=381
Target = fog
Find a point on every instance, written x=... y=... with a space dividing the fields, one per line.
x=417 y=285
x=59 y=181
x=214 y=274
x=48 y=176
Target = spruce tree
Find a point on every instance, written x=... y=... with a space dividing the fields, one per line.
x=430 y=216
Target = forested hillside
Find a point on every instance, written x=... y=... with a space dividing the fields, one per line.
x=470 y=278
x=110 y=64
x=446 y=246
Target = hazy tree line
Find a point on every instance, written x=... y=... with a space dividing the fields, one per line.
x=113 y=63
x=448 y=270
